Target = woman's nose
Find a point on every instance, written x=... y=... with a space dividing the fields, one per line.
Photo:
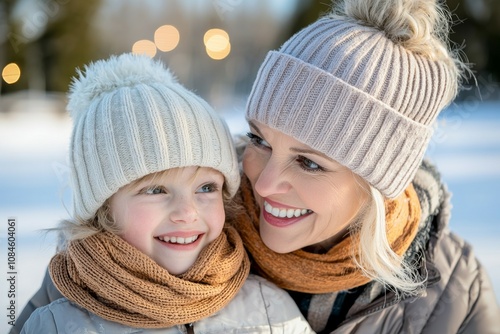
x=183 y=211
x=272 y=180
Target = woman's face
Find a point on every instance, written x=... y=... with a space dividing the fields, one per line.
x=306 y=198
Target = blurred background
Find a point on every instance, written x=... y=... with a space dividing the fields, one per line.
x=215 y=48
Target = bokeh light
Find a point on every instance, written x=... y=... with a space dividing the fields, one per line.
x=218 y=55
x=11 y=73
x=144 y=46
x=167 y=38
x=217 y=43
x=213 y=32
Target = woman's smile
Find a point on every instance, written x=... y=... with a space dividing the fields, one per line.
x=280 y=216
x=276 y=211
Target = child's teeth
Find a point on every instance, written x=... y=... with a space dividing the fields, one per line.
x=179 y=240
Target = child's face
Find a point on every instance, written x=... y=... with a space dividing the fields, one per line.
x=172 y=216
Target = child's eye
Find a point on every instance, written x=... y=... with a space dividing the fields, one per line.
x=308 y=164
x=154 y=190
x=257 y=141
x=208 y=188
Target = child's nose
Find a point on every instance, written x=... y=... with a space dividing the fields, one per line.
x=184 y=211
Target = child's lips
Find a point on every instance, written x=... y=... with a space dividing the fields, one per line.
x=179 y=239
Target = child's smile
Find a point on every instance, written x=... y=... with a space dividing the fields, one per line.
x=178 y=242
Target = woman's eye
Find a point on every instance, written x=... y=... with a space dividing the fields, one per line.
x=154 y=190
x=208 y=188
x=257 y=141
x=308 y=164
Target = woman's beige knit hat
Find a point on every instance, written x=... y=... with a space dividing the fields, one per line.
x=348 y=91
x=132 y=118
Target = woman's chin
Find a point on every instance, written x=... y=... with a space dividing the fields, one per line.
x=277 y=244
x=277 y=249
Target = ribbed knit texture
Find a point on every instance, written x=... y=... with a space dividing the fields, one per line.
x=131 y=119
x=334 y=270
x=349 y=92
x=110 y=278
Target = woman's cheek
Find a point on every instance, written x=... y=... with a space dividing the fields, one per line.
x=252 y=163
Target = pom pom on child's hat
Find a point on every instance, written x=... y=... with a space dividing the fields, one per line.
x=132 y=118
x=106 y=76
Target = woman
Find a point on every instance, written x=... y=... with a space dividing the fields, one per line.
x=341 y=209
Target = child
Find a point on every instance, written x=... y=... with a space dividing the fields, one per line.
x=152 y=166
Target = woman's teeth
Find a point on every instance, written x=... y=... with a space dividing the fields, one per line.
x=179 y=240
x=282 y=213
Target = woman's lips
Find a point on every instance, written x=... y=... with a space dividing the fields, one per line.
x=281 y=215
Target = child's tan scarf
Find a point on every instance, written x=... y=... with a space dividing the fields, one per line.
x=323 y=273
x=109 y=277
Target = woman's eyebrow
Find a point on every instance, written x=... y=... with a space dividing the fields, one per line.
x=308 y=151
x=255 y=127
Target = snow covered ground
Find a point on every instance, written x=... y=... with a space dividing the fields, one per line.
x=34 y=175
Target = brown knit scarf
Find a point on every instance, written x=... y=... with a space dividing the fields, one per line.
x=109 y=277
x=323 y=273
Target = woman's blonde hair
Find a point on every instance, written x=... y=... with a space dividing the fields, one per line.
x=376 y=258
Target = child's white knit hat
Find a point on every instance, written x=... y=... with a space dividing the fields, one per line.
x=348 y=91
x=132 y=118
